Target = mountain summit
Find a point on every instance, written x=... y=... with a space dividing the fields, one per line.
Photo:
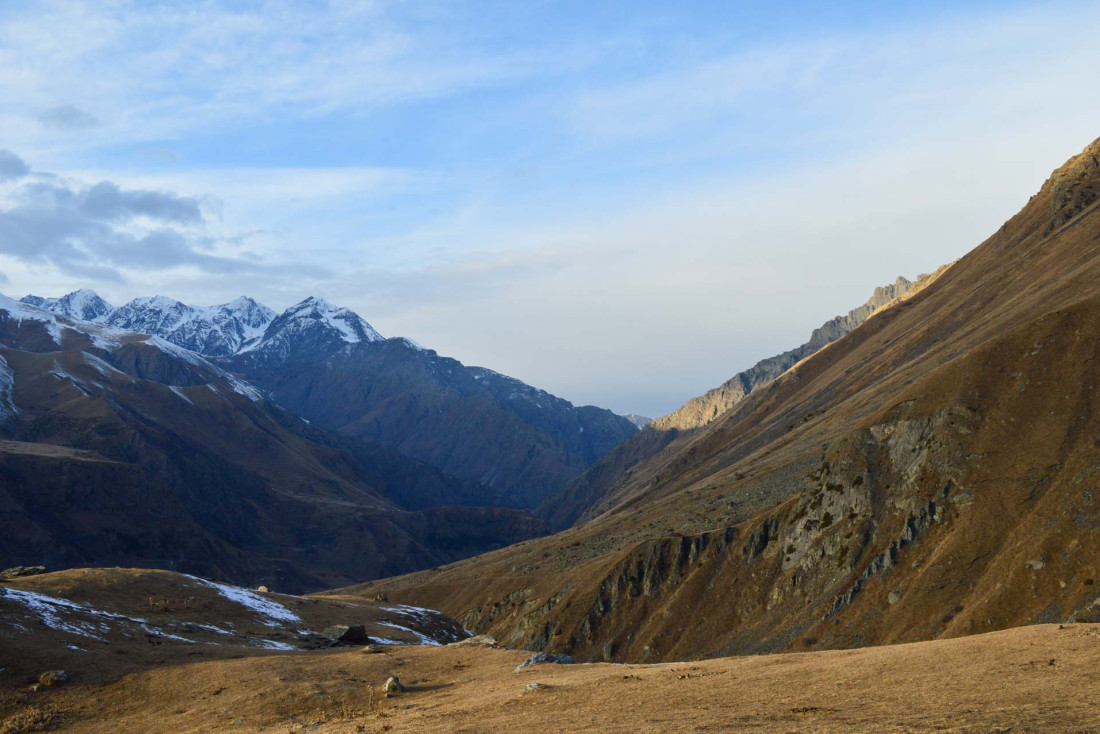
x=81 y=305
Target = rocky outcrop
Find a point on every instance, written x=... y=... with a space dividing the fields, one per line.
x=1074 y=186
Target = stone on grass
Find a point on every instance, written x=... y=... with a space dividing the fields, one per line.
x=18 y=572
x=544 y=657
x=355 y=634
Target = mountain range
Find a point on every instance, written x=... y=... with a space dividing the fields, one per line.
x=328 y=365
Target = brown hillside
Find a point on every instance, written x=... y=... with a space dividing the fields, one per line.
x=931 y=474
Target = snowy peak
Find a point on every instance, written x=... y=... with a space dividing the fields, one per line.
x=216 y=331
x=252 y=314
x=241 y=326
x=319 y=313
x=308 y=329
x=81 y=305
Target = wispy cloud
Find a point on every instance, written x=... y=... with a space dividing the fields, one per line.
x=67 y=117
x=104 y=231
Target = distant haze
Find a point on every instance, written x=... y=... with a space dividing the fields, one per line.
x=623 y=204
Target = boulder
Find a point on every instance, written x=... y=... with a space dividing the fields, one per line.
x=393 y=685
x=544 y=657
x=476 y=641
x=355 y=634
x=20 y=571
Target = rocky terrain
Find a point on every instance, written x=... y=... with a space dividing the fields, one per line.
x=115 y=452
x=113 y=650
x=929 y=475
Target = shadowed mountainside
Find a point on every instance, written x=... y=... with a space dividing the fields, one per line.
x=117 y=453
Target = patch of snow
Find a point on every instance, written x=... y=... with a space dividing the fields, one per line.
x=50 y=610
x=243 y=388
x=387 y=641
x=179 y=352
x=161 y=633
x=7 y=390
x=273 y=611
x=424 y=639
x=179 y=392
x=59 y=372
x=274 y=645
x=102 y=366
x=408 y=609
x=412 y=344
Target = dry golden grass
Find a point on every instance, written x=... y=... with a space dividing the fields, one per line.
x=1030 y=679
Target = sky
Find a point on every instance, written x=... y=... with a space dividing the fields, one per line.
x=624 y=203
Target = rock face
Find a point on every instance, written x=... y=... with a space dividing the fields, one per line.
x=933 y=473
x=581 y=499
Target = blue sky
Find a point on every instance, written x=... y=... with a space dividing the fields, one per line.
x=623 y=203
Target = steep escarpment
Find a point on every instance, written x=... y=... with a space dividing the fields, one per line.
x=583 y=498
x=933 y=473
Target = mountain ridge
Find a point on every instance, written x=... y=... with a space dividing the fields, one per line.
x=930 y=474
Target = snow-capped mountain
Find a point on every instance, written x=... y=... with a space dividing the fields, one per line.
x=243 y=325
x=308 y=329
x=325 y=363
x=214 y=331
x=82 y=305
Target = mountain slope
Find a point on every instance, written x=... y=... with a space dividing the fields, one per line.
x=471 y=422
x=124 y=448
x=584 y=497
x=930 y=474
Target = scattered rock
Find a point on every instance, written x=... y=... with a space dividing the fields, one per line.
x=381 y=597
x=355 y=634
x=17 y=572
x=476 y=640
x=535 y=686
x=52 y=677
x=544 y=657
x=1035 y=565
x=393 y=685
x=893 y=596
x=374 y=647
